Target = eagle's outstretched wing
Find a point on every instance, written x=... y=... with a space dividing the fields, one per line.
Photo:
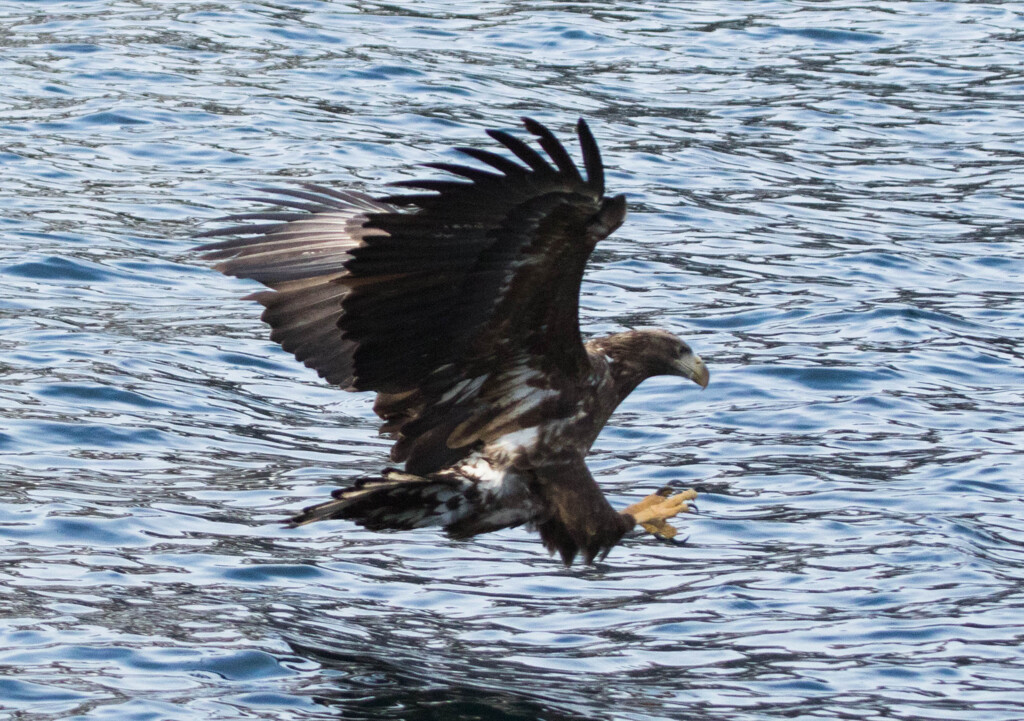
x=458 y=305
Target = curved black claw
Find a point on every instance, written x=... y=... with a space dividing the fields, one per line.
x=674 y=541
x=667 y=491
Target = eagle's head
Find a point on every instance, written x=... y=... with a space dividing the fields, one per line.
x=637 y=355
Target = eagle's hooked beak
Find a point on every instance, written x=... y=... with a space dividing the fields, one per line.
x=692 y=366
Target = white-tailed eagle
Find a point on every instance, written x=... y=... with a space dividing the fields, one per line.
x=458 y=305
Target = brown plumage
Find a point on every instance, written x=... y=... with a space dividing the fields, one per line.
x=458 y=304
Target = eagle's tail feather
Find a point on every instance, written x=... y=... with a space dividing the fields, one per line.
x=396 y=500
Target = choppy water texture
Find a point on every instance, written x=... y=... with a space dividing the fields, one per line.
x=825 y=199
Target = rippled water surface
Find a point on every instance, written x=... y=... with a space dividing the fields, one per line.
x=825 y=200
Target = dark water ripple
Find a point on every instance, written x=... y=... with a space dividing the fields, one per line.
x=825 y=198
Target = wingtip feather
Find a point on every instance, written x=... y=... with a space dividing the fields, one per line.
x=554 y=148
x=591 y=156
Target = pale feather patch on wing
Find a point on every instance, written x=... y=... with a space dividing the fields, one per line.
x=521 y=393
x=464 y=389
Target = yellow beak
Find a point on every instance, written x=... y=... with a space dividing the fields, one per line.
x=692 y=367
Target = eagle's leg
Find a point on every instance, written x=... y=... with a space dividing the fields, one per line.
x=653 y=512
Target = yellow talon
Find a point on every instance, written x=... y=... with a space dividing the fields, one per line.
x=653 y=512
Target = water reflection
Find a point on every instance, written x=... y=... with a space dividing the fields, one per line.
x=824 y=202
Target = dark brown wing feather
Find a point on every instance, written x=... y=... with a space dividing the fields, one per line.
x=446 y=310
x=301 y=254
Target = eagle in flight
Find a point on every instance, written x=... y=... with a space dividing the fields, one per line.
x=457 y=303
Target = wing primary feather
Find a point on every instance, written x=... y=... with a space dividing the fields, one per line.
x=523 y=151
x=438 y=186
x=347 y=198
x=474 y=174
x=317 y=198
x=591 y=157
x=283 y=216
x=318 y=207
x=498 y=162
x=250 y=230
x=421 y=200
x=554 y=149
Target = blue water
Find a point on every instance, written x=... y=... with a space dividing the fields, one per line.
x=825 y=200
